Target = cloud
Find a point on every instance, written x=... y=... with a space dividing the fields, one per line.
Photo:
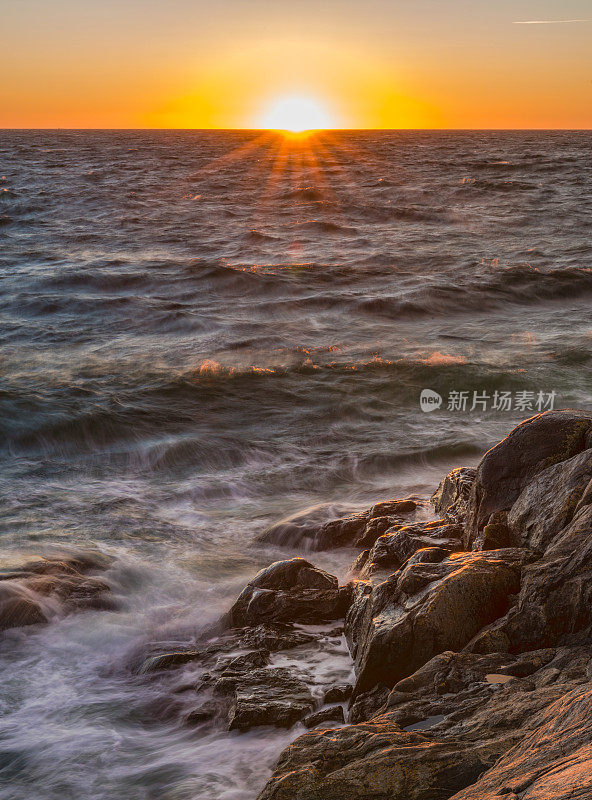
x=549 y=21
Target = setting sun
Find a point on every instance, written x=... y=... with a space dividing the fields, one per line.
x=296 y=114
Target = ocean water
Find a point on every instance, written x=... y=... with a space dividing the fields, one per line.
x=204 y=332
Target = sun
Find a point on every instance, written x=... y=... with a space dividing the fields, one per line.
x=296 y=114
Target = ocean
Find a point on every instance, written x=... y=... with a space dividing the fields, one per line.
x=204 y=332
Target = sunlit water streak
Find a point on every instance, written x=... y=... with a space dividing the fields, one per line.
x=205 y=332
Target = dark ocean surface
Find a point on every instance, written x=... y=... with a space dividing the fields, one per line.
x=204 y=332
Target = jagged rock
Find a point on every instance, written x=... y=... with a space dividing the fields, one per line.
x=552 y=762
x=313 y=533
x=450 y=500
x=391 y=550
x=548 y=502
x=497 y=534
x=464 y=702
x=290 y=591
x=555 y=600
x=275 y=637
x=359 y=563
x=531 y=447
x=266 y=697
x=367 y=704
x=33 y=591
x=331 y=714
x=339 y=693
x=374 y=760
x=300 y=530
x=375 y=528
x=395 y=627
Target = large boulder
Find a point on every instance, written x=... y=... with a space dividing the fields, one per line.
x=549 y=501
x=531 y=447
x=555 y=600
x=374 y=760
x=290 y=591
x=396 y=626
x=553 y=761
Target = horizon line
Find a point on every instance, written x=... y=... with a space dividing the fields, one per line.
x=274 y=130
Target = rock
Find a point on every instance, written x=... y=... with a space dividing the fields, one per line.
x=300 y=530
x=331 y=714
x=465 y=716
x=531 y=447
x=169 y=661
x=339 y=693
x=553 y=761
x=203 y=713
x=314 y=533
x=367 y=704
x=275 y=637
x=294 y=573
x=534 y=520
x=374 y=760
x=18 y=608
x=375 y=528
x=450 y=500
x=34 y=591
x=359 y=563
x=339 y=532
x=267 y=697
x=496 y=536
x=391 y=550
x=555 y=600
x=290 y=591
x=426 y=609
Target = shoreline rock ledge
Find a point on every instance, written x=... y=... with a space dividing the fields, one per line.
x=471 y=634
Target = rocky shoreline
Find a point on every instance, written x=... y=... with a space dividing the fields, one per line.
x=470 y=636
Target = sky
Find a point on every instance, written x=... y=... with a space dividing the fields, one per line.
x=228 y=63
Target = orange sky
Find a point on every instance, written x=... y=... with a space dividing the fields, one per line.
x=370 y=64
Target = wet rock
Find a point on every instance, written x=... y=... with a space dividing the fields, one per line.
x=391 y=550
x=338 y=694
x=374 y=760
x=34 y=591
x=332 y=714
x=300 y=530
x=531 y=447
x=553 y=761
x=267 y=697
x=275 y=637
x=367 y=704
x=359 y=563
x=495 y=536
x=313 y=533
x=450 y=500
x=555 y=600
x=401 y=623
x=470 y=715
x=18 y=607
x=203 y=713
x=290 y=591
x=375 y=528
x=171 y=660
x=548 y=503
